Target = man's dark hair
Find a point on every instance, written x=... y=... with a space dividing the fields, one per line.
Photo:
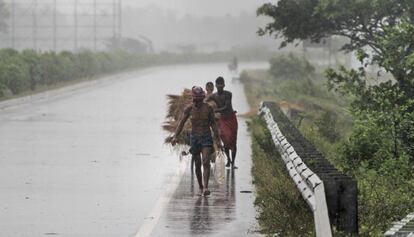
x=220 y=80
x=209 y=84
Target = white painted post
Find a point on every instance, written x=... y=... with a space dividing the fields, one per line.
x=322 y=225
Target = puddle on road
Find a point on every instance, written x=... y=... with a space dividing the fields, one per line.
x=189 y=214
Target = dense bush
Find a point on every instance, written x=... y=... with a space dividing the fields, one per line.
x=291 y=67
x=30 y=69
x=326 y=124
x=382 y=164
x=26 y=70
x=14 y=73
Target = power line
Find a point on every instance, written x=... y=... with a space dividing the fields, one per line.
x=36 y=20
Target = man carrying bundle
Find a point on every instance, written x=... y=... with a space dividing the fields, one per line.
x=202 y=120
x=227 y=122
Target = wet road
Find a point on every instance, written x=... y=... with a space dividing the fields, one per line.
x=91 y=162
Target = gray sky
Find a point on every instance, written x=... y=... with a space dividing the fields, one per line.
x=202 y=7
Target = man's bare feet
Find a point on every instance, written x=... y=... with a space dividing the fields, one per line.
x=200 y=191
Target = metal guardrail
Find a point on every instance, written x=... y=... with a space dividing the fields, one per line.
x=308 y=183
x=403 y=228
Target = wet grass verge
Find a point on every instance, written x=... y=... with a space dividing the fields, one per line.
x=323 y=117
x=281 y=208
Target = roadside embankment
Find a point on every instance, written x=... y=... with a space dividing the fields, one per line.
x=352 y=143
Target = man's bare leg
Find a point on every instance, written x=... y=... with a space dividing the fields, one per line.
x=227 y=152
x=192 y=163
x=206 y=153
x=197 y=161
x=233 y=156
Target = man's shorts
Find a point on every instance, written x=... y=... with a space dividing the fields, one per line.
x=197 y=142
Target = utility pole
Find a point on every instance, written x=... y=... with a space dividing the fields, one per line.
x=34 y=20
x=94 y=24
x=54 y=24
x=13 y=24
x=114 y=33
x=75 y=27
x=120 y=19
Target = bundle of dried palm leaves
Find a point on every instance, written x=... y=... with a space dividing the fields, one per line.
x=176 y=105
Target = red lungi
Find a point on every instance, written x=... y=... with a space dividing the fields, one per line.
x=228 y=130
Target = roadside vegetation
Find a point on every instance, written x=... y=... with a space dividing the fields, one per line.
x=363 y=118
x=28 y=71
x=282 y=210
x=385 y=184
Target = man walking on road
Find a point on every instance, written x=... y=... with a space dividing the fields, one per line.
x=201 y=141
x=227 y=122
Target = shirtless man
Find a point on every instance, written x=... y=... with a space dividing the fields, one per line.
x=209 y=88
x=202 y=121
x=227 y=122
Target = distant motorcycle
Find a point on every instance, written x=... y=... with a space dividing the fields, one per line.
x=233 y=68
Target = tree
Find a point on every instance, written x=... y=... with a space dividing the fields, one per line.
x=380 y=149
x=359 y=20
x=377 y=25
x=380 y=32
x=4 y=14
x=291 y=67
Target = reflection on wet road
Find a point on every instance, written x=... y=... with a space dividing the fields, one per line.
x=228 y=211
x=202 y=215
x=91 y=161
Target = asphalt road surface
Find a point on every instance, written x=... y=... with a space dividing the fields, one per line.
x=89 y=160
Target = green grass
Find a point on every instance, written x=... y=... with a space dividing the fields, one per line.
x=281 y=208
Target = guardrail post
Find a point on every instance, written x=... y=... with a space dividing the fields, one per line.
x=308 y=183
x=322 y=225
x=340 y=190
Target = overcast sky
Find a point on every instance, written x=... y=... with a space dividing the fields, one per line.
x=202 y=7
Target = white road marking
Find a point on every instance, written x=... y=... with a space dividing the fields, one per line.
x=152 y=220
